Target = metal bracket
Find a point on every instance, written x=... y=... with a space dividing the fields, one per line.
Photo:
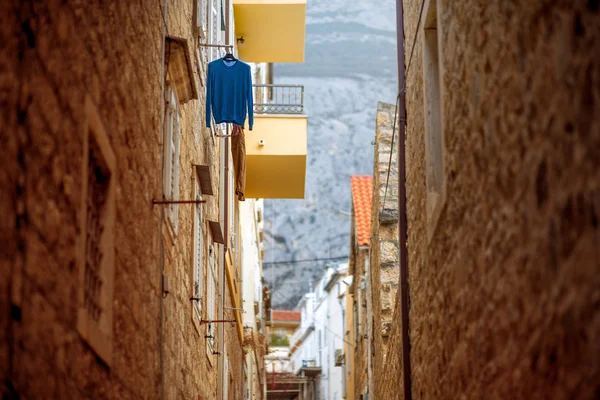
x=214 y=321
x=215 y=45
x=167 y=202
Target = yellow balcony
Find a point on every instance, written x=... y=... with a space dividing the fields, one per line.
x=276 y=148
x=272 y=30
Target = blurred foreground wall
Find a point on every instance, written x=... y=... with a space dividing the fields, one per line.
x=503 y=187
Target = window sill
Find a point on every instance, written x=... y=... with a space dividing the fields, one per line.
x=91 y=332
x=435 y=203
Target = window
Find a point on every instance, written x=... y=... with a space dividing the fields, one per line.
x=210 y=308
x=171 y=156
x=215 y=25
x=200 y=19
x=96 y=241
x=198 y=251
x=434 y=135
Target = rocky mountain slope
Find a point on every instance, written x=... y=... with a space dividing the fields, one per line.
x=350 y=66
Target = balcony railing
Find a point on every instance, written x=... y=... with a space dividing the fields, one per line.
x=278 y=99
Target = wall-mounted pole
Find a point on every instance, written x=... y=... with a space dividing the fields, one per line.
x=402 y=224
x=216 y=45
x=214 y=321
x=155 y=202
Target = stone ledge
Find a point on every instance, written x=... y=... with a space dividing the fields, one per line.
x=388 y=216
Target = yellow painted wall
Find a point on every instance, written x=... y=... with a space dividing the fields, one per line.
x=234 y=290
x=277 y=169
x=275 y=177
x=273 y=30
x=282 y=135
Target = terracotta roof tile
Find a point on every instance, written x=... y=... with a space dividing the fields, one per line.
x=362 y=195
x=284 y=315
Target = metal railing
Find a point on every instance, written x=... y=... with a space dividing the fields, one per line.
x=278 y=99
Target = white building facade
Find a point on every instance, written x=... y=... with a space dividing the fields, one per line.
x=252 y=298
x=316 y=347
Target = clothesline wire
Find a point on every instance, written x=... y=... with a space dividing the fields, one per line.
x=387 y=179
x=334 y=334
x=314 y=320
x=306 y=260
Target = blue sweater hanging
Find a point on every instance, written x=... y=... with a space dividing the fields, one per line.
x=229 y=93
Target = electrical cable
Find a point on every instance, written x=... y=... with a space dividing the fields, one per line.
x=387 y=180
x=314 y=320
x=397 y=99
x=306 y=260
x=415 y=38
x=332 y=332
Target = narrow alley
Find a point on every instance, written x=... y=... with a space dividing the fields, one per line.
x=300 y=199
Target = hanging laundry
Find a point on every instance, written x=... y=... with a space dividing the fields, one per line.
x=238 y=151
x=229 y=92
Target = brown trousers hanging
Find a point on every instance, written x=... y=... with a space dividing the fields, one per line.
x=238 y=151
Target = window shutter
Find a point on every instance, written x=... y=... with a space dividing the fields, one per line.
x=198 y=253
x=167 y=146
x=211 y=293
x=171 y=155
x=175 y=169
x=95 y=248
x=215 y=27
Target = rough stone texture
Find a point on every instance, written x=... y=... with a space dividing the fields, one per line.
x=53 y=55
x=356 y=371
x=384 y=233
x=504 y=297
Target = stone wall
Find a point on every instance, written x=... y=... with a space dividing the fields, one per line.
x=53 y=56
x=384 y=272
x=503 y=287
x=359 y=361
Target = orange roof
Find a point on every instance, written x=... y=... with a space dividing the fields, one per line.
x=362 y=195
x=283 y=315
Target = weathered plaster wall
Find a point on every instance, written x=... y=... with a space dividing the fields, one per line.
x=504 y=297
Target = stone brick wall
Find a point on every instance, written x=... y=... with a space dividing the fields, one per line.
x=384 y=272
x=359 y=361
x=503 y=297
x=53 y=56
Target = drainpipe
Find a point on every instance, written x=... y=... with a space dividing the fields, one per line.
x=406 y=374
x=221 y=335
x=162 y=209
